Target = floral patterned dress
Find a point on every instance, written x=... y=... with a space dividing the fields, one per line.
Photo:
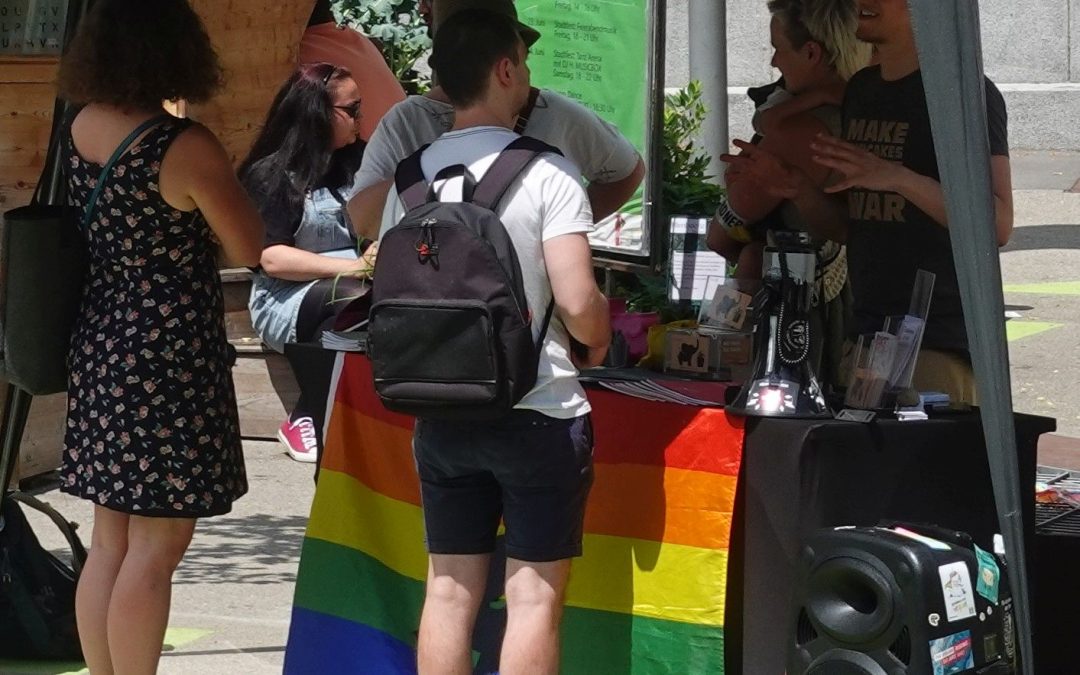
x=152 y=427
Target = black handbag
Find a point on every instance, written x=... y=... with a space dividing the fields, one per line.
x=42 y=268
x=42 y=271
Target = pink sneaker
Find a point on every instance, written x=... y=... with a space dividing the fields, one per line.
x=299 y=439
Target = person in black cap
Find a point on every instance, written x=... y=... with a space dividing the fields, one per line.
x=610 y=164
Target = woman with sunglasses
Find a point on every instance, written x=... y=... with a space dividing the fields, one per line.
x=299 y=173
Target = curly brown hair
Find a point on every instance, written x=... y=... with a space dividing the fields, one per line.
x=137 y=54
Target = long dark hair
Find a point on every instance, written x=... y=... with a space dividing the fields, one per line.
x=293 y=153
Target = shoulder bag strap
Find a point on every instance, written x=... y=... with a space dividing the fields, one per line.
x=67 y=528
x=506 y=168
x=50 y=185
x=498 y=179
x=526 y=112
x=91 y=204
x=544 y=330
x=409 y=181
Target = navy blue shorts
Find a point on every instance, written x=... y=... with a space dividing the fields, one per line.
x=530 y=470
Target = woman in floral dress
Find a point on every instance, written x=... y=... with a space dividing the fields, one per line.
x=152 y=432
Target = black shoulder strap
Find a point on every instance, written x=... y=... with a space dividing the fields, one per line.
x=526 y=112
x=409 y=180
x=506 y=168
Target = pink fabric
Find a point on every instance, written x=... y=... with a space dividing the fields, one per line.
x=635 y=328
x=379 y=89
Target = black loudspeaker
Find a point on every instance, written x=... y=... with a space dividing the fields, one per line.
x=900 y=600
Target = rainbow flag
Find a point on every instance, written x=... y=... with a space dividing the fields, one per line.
x=646 y=598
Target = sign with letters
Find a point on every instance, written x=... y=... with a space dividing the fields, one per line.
x=32 y=27
x=601 y=53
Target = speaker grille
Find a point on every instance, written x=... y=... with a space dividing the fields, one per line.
x=839 y=667
x=850 y=600
x=804 y=630
x=845 y=662
x=901 y=647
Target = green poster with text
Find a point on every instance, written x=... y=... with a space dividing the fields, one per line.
x=597 y=53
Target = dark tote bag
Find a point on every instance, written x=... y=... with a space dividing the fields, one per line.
x=42 y=266
x=43 y=263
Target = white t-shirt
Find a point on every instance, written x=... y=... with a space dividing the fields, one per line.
x=546 y=201
x=601 y=153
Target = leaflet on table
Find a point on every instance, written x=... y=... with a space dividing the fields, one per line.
x=650 y=390
x=885 y=361
x=344 y=341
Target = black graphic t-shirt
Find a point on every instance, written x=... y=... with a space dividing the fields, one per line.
x=889 y=239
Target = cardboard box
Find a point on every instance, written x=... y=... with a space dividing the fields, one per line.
x=713 y=355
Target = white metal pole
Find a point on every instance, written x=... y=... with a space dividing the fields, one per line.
x=708 y=65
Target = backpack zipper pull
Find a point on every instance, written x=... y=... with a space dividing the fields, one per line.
x=426 y=248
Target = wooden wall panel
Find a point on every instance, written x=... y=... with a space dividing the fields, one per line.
x=27 y=94
x=257 y=41
x=42 y=443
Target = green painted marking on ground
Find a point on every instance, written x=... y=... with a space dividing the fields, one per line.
x=174 y=638
x=1018 y=330
x=178 y=637
x=1048 y=288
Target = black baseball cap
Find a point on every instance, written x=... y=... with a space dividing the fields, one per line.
x=443 y=9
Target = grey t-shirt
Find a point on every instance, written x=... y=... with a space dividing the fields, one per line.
x=601 y=153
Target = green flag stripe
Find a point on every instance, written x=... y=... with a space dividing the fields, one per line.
x=593 y=641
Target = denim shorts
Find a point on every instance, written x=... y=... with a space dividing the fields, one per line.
x=529 y=470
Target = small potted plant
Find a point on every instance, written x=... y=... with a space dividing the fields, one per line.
x=641 y=302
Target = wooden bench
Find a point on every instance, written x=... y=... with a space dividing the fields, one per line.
x=266 y=389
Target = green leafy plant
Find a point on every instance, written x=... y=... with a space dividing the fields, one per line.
x=687 y=190
x=396 y=26
x=688 y=187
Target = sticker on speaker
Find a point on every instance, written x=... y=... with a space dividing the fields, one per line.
x=932 y=543
x=989 y=579
x=952 y=654
x=956 y=587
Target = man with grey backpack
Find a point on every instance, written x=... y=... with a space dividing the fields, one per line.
x=483 y=283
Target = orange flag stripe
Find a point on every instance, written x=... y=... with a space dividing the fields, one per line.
x=626 y=501
x=696 y=509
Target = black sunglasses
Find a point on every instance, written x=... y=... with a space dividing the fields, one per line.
x=352 y=110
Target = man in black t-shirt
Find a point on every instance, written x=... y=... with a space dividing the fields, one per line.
x=892 y=217
x=889 y=236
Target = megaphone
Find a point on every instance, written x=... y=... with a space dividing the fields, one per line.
x=783 y=382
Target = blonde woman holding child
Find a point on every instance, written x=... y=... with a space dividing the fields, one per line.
x=815 y=50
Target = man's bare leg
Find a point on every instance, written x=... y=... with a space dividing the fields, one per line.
x=455 y=589
x=534 y=606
